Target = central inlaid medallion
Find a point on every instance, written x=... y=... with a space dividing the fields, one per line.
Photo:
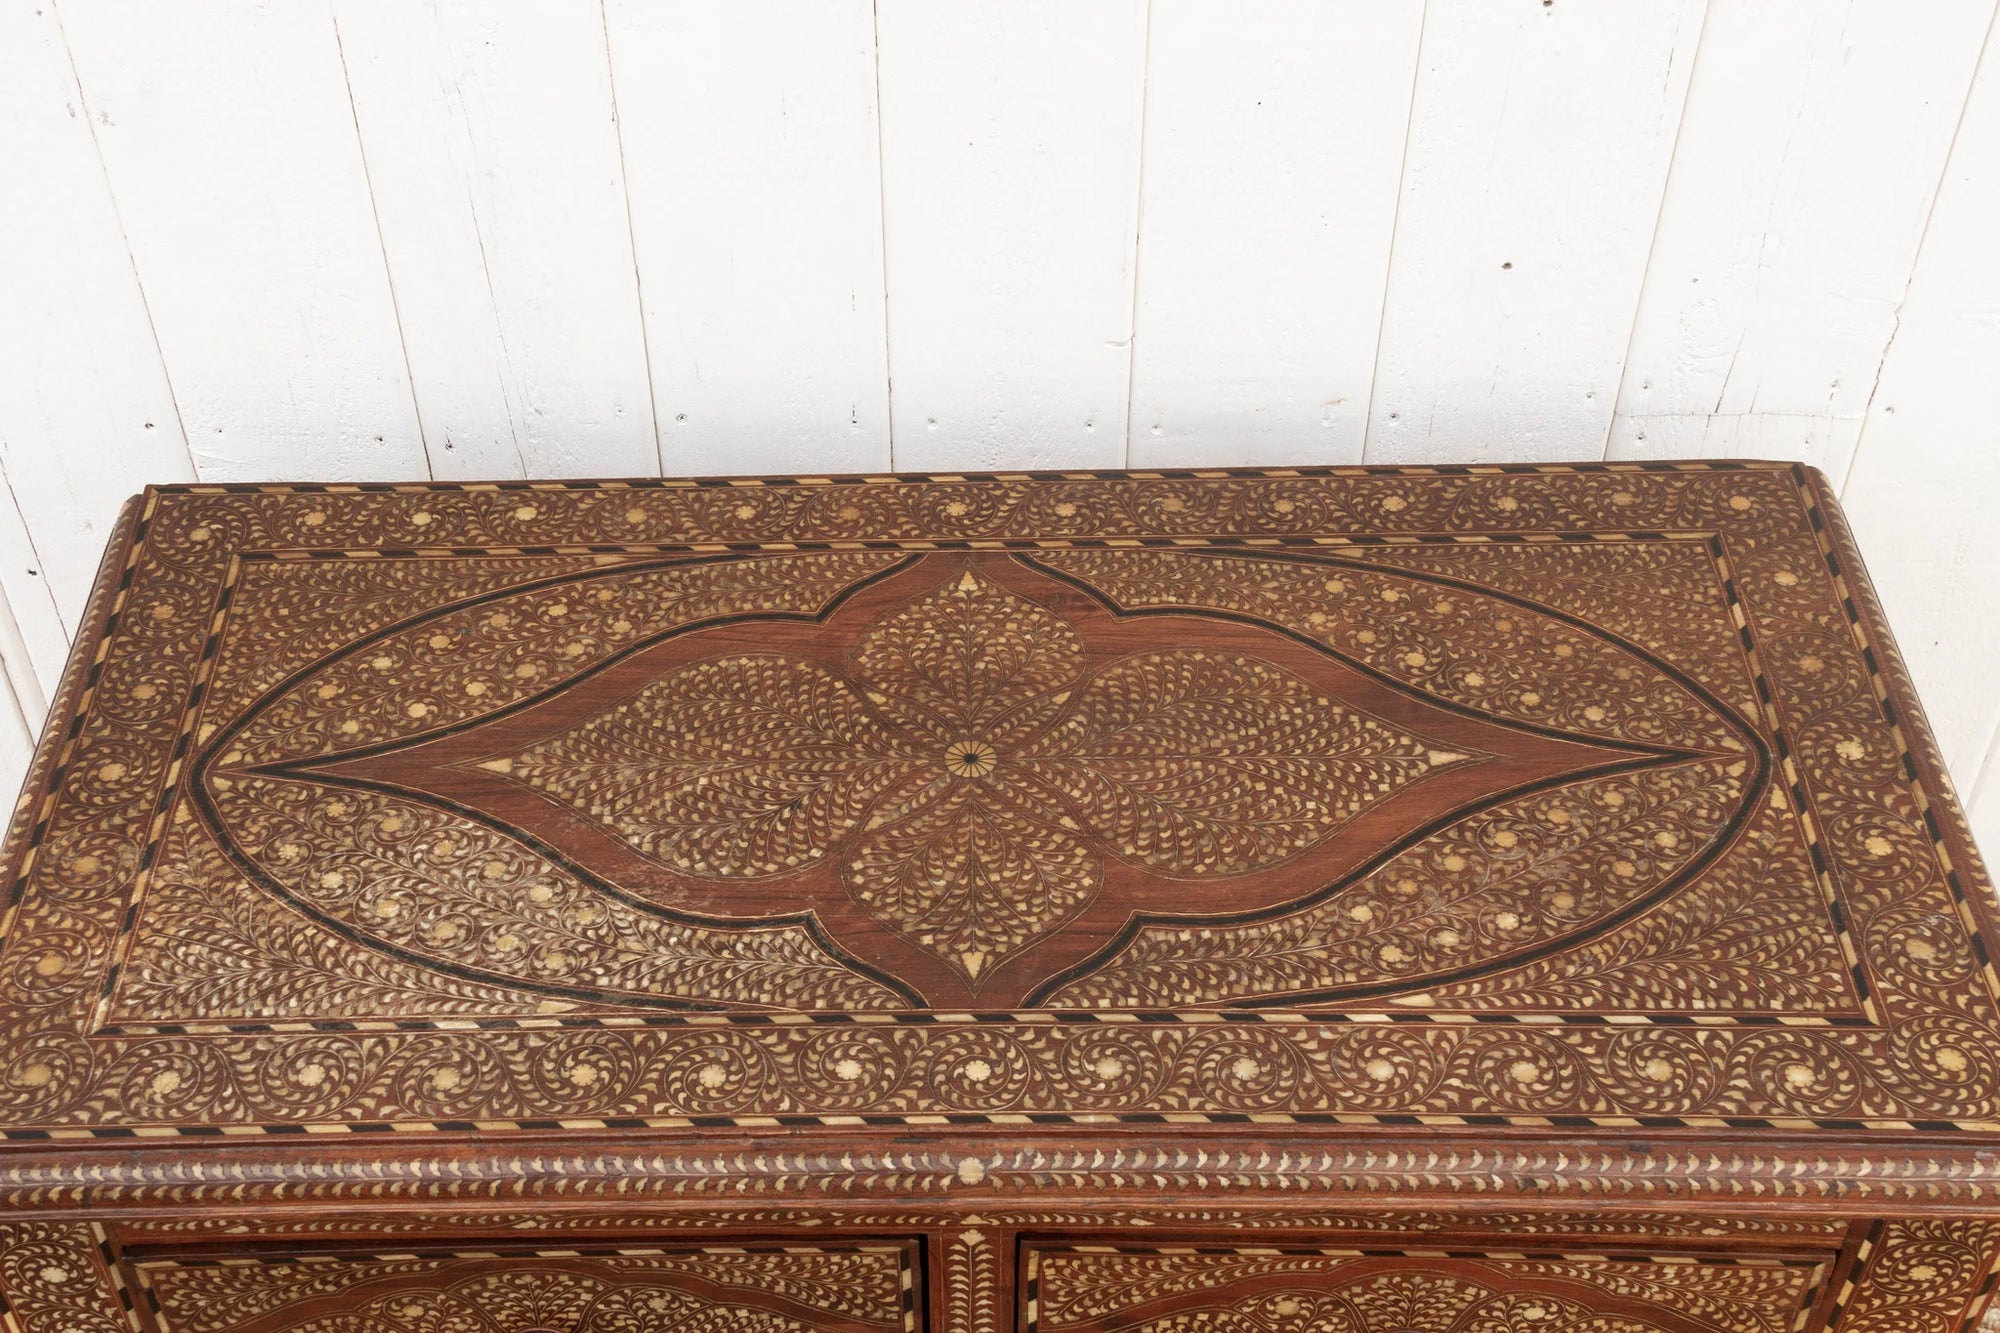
x=1184 y=762
x=968 y=774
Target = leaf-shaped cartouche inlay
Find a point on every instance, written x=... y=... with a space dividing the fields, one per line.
x=962 y=772
x=975 y=774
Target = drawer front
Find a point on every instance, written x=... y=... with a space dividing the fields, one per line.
x=863 y=1288
x=1106 y=1272
x=1212 y=1289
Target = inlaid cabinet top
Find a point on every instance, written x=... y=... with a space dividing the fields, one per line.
x=1478 y=795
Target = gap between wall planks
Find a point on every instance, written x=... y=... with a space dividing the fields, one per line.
x=1523 y=225
x=353 y=238
x=1010 y=198
x=1814 y=138
x=764 y=306
x=1273 y=145
x=520 y=320
x=228 y=136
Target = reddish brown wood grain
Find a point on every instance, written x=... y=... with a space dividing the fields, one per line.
x=1472 y=885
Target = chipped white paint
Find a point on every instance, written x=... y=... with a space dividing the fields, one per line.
x=599 y=234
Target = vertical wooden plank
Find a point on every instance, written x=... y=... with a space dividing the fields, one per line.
x=754 y=171
x=34 y=642
x=494 y=162
x=17 y=733
x=1010 y=161
x=229 y=140
x=1926 y=478
x=1273 y=153
x=1539 y=147
x=1811 y=149
x=1982 y=804
x=86 y=414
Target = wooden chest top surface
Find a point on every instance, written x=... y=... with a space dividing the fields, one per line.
x=1469 y=797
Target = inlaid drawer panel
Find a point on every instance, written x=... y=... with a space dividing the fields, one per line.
x=864 y=1288
x=1099 y=1289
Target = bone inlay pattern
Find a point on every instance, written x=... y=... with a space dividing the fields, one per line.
x=798 y=1290
x=975 y=777
x=1357 y=1292
x=1526 y=795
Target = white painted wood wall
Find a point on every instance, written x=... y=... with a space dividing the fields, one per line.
x=384 y=239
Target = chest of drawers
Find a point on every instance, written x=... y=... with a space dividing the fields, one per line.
x=1522 y=900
